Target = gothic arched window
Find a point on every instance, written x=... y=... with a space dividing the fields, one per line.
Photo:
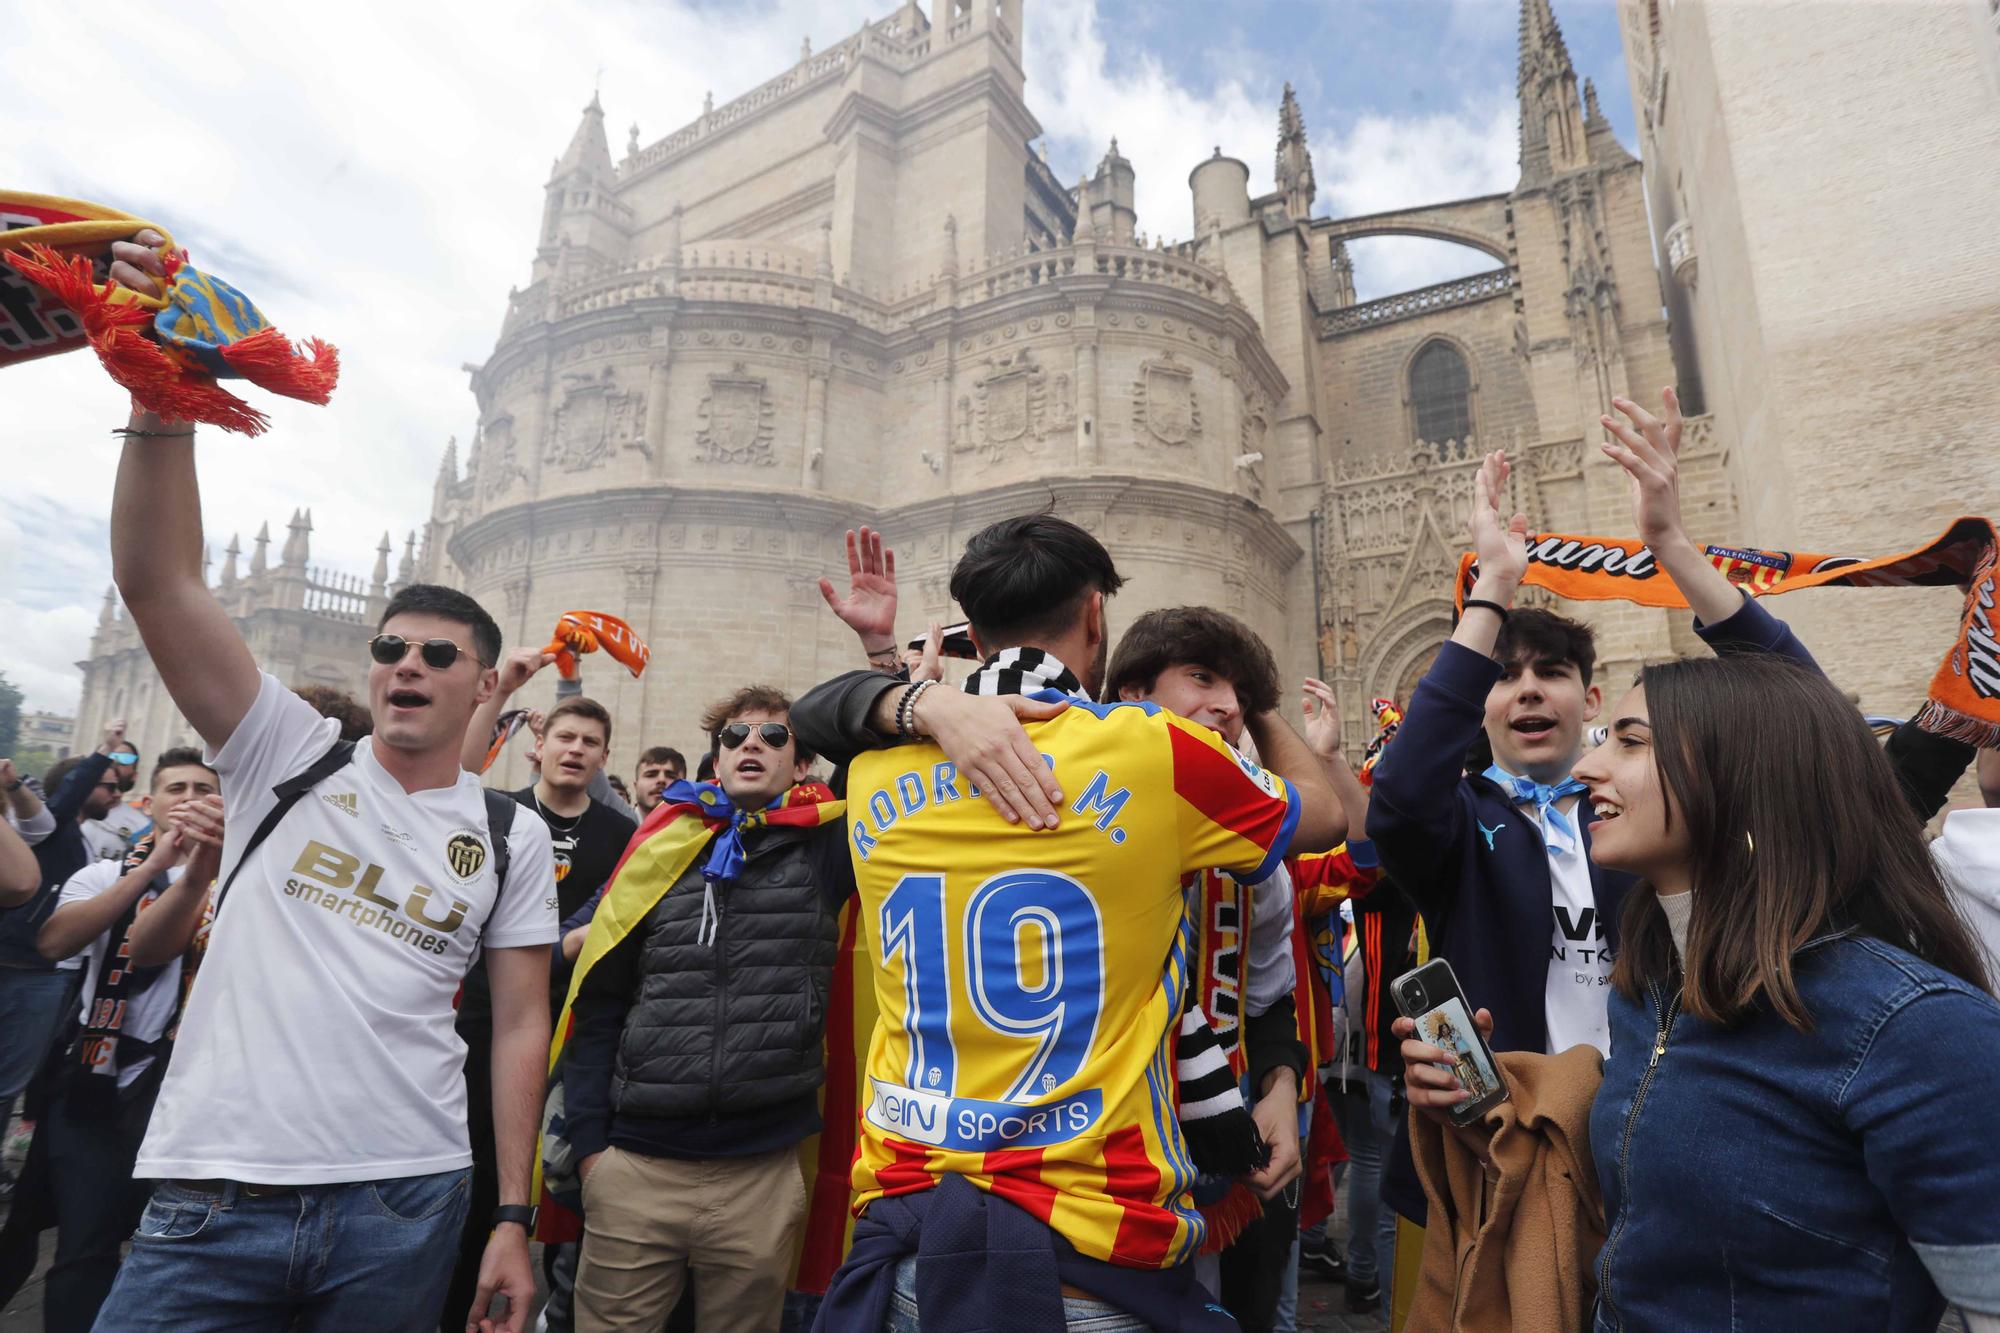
x=1441 y=394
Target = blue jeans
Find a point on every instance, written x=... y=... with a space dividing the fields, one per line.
x=1080 y=1314
x=32 y=1006
x=372 y=1255
x=1369 y=1127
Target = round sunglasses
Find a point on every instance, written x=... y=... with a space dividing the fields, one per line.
x=773 y=734
x=438 y=654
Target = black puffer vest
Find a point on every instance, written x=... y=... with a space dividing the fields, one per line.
x=734 y=1026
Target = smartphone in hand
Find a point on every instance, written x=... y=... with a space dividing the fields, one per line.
x=1430 y=997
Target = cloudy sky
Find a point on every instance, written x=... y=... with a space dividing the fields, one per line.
x=371 y=172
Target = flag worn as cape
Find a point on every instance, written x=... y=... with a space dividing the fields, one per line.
x=168 y=351
x=1964 y=697
x=663 y=849
x=586 y=632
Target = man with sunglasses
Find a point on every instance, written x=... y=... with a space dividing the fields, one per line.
x=694 y=1061
x=130 y=817
x=309 y=1149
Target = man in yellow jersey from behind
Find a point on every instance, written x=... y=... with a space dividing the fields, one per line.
x=1020 y=1163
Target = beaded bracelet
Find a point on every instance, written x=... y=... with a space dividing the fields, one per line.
x=906 y=709
x=131 y=434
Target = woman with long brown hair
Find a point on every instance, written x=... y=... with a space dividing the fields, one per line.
x=1795 y=1124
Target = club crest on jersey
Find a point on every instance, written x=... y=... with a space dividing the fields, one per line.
x=465 y=853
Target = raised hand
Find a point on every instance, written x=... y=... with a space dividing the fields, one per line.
x=114 y=737
x=1649 y=451
x=1322 y=718
x=869 y=608
x=519 y=667
x=926 y=663
x=137 y=264
x=1501 y=543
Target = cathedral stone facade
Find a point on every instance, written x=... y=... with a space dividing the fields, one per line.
x=859 y=294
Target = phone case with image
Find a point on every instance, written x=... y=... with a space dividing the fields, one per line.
x=1430 y=997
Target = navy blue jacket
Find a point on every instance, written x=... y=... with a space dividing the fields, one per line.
x=985 y=1263
x=60 y=855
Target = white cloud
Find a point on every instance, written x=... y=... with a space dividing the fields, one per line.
x=1164 y=126
x=53 y=568
x=1385 y=163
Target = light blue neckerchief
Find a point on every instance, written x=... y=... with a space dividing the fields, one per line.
x=1543 y=796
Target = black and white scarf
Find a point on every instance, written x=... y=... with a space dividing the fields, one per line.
x=1024 y=671
x=103 y=1048
x=1221 y=1136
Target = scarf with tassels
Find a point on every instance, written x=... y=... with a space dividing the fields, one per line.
x=1964 y=696
x=169 y=351
x=1221 y=1136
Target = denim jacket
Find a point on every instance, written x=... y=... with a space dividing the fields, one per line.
x=1766 y=1179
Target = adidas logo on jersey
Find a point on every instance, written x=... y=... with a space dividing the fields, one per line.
x=346 y=800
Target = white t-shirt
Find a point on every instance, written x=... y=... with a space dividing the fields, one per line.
x=105 y=842
x=318 y=1045
x=148 y=1011
x=1579 y=962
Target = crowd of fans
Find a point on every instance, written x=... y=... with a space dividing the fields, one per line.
x=1061 y=997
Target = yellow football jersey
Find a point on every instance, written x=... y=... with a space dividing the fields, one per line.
x=1029 y=983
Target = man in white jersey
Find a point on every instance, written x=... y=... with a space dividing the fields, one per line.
x=310 y=1144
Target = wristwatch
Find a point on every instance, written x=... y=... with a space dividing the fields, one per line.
x=523 y=1213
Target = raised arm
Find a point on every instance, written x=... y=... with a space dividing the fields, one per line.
x=66 y=801
x=516 y=670
x=1649 y=451
x=1725 y=617
x=29 y=818
x=1322 y=715
x=1322 y=823
x=1414 y=815
x=20 y=873
x=156 y=548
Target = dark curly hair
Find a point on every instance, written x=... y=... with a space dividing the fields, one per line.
x=1195 y=636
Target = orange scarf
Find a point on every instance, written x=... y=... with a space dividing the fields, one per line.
x=1964 y=702
x=586 y=632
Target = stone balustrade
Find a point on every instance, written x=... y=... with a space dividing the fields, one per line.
x=1130 y=263
x=1423 y=301
x=756 y=273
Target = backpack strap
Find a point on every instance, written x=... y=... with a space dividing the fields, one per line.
x=500 y=808
x=289 y=792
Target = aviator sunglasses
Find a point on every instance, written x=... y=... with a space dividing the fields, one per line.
x=773 y=734
x=438 y=654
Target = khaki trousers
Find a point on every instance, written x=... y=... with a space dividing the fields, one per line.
x=733 y=1222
